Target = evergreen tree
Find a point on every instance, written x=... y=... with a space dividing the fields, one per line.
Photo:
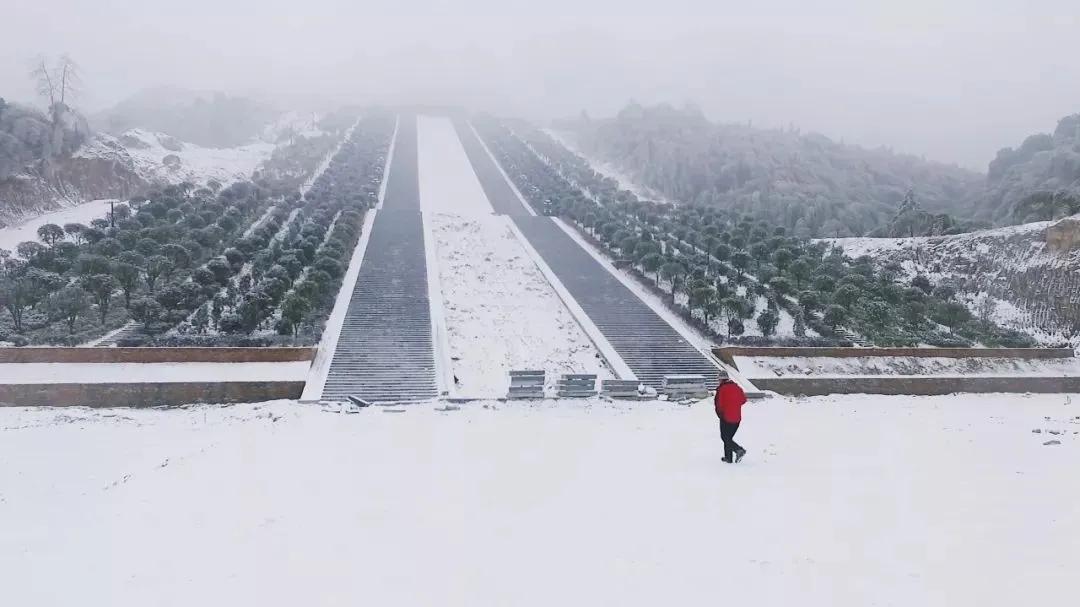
x=767 y=321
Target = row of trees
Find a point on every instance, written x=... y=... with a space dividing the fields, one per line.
x=149 y=248
x=724 y=270
x=288 y=286
x=209 y=261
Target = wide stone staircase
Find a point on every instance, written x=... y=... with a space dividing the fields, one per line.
x=385 y=351
x=650 y=346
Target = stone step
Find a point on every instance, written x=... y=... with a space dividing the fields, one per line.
x=385 y=351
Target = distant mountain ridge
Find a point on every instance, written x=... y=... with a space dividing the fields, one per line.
x=1037 y=181
x=808 y=183
x=817 y=187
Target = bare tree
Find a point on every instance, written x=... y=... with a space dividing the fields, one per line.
x=59 y=82
x=70 y=78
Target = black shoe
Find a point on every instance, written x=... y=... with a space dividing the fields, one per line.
x=726 y=460
x=739 y=455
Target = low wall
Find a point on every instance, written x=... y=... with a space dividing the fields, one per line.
x=921 y=386
x=155 y=355
x=727 y=353
x=145 y=394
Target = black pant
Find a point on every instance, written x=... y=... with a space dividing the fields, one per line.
x=727 y=432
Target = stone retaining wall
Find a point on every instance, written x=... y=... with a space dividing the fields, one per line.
x=727 y=353
x=146 y=394
x=155 y=355
x=810 y=386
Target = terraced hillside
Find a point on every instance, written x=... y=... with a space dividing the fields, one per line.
x=1025 y=277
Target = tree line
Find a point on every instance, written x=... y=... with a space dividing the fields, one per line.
x=722 y=270
x=209 y=262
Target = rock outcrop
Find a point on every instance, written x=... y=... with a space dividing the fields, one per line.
x=1063 y=236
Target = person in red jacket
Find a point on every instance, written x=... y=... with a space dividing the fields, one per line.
x=729 y=401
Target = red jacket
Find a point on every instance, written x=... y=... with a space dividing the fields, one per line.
x=729 y=401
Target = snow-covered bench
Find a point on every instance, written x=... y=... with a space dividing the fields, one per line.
x=678 y=387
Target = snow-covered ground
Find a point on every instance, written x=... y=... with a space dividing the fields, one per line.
x=84 y=213
x=147 y=152
x=500 y=312
x=448 y=183
x=821 y=366
x=97 y=373
x=846 y=501
x=292 y=123
x=862 y=245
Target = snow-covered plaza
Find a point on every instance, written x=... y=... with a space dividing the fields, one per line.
x=856 y=500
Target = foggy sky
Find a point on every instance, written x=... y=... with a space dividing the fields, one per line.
x=953 y=84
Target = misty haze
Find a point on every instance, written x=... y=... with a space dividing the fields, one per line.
x=516 y=303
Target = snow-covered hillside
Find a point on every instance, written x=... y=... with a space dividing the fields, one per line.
x=292 y=123
x=574 y=503
x=119 y=167
x=159 y=158
x=1011 y=274
x=84 y=213
x=567 y=140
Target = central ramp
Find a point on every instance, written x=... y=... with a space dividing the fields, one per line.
x=385 y=352
x=499 y=192
x=650 y=346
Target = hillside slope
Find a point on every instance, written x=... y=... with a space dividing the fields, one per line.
x=160 y=158
x=807 y=183
x=121 y=166
x=1025 y=277
x=1038 y=180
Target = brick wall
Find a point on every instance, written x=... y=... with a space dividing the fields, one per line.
x=810 y=386
x=155 y=355
x=146 y=394
x=727 y=353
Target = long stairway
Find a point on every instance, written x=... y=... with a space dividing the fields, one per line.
x=644 y=340
x=385 y=351
x=650 y=346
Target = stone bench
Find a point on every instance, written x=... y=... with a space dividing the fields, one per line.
x=526 y=384
x=576 y=385
x=678 y=387
x=620 y=388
